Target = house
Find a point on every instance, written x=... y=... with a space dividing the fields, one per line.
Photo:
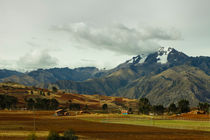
x=61 y=112
x=124 y=112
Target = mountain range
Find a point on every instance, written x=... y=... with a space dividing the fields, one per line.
x=163 y=77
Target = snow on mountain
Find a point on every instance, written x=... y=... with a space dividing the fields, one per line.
x=137 y=59
x=163 y=55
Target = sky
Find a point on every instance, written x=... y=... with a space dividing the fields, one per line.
x=103 y=33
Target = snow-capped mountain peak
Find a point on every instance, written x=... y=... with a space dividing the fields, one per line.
x=163 y=55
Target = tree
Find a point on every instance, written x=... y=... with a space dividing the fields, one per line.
x=40 y=92
x=11 y=101
x=74 y=106
x=46 y=104
x=144 y=106
x=204 y=107
x=54 y=89
x=158 y=109
x=104 y=106
x=183 y=106
x=172 y=108
x=54 y=104
x=30 y=103
x=130 y=111
x=8 y=102
x=86 y=107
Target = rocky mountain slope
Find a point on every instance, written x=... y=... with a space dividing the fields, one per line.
x=164 y=77
x=171 y=85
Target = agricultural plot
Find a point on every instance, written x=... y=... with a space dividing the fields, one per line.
x=16 y=125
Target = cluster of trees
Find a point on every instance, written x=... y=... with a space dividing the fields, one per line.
x=74 y=106
x=42 y=104
x=8 y=102
x=183 y=107
x=204 y=107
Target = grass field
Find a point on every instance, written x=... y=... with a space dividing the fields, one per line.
x=16 y=125
x=177 y=124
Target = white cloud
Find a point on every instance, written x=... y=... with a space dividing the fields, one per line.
x=36 y=59
x=118 y=38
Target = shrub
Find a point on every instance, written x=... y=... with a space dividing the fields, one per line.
x=70 y=135
x=53 y=136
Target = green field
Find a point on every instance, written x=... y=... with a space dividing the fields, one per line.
x=155 y=121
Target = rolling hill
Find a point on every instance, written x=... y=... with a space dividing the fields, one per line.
x=93 y=102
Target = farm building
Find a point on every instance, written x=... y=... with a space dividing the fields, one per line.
x=61 y=112
x=124 y=112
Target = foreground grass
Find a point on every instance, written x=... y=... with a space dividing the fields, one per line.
x=22 y=133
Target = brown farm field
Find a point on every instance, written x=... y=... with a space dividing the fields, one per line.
x=16 y=125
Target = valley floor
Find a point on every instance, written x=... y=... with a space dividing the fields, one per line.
x=16 y=125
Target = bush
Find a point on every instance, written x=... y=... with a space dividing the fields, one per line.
x=70 y=135
x=53 y=136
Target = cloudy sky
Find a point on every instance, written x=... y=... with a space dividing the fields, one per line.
x=102 y=33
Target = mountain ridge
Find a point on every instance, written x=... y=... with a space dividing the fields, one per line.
x=135 y=78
